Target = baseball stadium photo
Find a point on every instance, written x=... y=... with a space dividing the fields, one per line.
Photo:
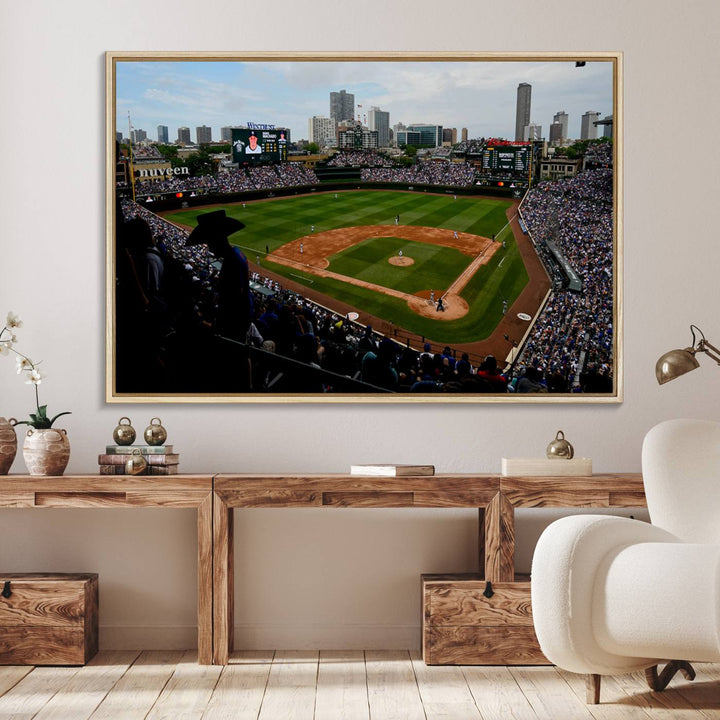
x=435 y=229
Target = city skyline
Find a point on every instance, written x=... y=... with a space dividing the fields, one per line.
x=478 y=95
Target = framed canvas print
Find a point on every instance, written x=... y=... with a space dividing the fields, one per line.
x=364 y=228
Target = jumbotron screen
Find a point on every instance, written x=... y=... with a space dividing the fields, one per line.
x=507 y=158
x=258 y=146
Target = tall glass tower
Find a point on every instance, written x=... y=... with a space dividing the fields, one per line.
x=522 y=113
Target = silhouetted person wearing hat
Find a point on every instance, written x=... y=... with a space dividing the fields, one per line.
x=233 y=304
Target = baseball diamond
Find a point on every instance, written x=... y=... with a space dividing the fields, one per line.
x=348 y=252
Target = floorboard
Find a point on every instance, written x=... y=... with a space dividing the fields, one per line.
x=240 y=691
x=497 y=694
x=134 y=695
x=290 y=692
x=28 y=697
x=392 y=688
x=87 y=688
x=188 y=691
x=343 y=685
x=444 y=691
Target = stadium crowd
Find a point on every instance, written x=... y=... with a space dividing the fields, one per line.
x=572 y=340
x=233 y=181
x=359 y=158
x=599 y=154
x=425 y=173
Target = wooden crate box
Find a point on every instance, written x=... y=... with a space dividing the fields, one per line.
x=461 y=626
x=48 y=618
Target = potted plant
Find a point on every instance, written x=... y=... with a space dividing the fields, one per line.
x=46 y=449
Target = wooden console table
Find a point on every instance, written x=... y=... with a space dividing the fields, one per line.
x=112 y=491
x=215 y=498
x=495 y=497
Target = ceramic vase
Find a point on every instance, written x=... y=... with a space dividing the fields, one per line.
x=46 y=451
x=8 y=444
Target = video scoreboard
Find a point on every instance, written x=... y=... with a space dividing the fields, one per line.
x=259 y=146
x=507 y=158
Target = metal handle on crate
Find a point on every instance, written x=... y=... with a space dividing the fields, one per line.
x=6 y=592
x=488 y=592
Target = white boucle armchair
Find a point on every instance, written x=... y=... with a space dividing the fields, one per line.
x=613 y=595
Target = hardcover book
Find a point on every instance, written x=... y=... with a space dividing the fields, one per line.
x=110 y=459
x=392 y=470
x=149 y=470
x=144 y=449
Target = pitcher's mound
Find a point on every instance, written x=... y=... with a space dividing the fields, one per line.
x=402 y=261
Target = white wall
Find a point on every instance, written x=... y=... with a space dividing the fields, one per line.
x=321 y=577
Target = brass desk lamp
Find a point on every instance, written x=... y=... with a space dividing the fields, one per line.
x=677 y=362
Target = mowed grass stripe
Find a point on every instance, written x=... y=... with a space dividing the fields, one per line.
x=435 y=267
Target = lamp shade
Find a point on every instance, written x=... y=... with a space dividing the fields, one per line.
x=675 y=363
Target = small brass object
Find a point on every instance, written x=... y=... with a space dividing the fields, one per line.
x=155 y=433
x=560 y=448
x=124 y=433
x=136 y=463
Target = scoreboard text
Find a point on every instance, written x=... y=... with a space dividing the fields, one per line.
x=256 y=146
x=508 y=158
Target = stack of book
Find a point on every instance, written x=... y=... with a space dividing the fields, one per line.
x=160 y=459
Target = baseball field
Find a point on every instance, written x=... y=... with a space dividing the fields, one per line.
x=389 y=255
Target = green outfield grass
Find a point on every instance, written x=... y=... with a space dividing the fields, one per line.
x=272 y=223
x=435 y=266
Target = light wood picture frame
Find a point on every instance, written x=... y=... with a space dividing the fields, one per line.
x=367 y=227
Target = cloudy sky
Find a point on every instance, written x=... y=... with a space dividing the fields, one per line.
x=477 y=95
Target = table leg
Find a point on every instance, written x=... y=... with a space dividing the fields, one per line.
x=223 y=581
x=499 y=545
x=205 y=580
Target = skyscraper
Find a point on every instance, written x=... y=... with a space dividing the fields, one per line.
x=430 y=135
x=522 y=112
x=184 y=135
x=562 y=118
x=532 y=132
x=321 y=130
x=163 y=134
x=226 y=132
x=379 y=120
x=204 y=134
x=607 y=123
x=342 y=106
x=464 y=134
x=137 y=136
x=556 y=133
x=588 y=131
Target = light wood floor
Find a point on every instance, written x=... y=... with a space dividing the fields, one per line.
x=370 y=685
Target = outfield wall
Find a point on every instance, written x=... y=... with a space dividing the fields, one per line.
x=174 y=203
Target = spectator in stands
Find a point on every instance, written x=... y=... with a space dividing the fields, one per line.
x=489 y=372
x=233 y=302
x=530 y=382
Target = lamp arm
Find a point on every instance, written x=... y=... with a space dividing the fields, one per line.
x=710 y=350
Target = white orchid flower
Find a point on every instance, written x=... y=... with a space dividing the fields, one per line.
x=35 y=377
x=5 y=346
x=23 y=364
x=13 y=320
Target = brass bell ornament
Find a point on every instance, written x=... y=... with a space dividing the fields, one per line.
x=560 y=448
x=155 y=433
x=136 y=463
x=124 y=433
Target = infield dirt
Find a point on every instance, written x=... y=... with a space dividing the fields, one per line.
x=311 y=253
